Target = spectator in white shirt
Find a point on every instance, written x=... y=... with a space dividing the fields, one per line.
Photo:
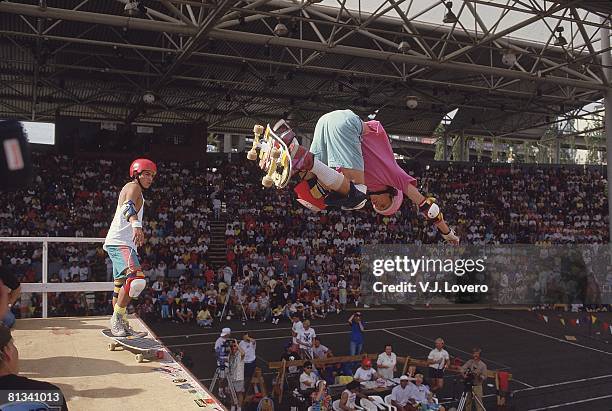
x=248 y=345
x=305 y=339
x=386 y=362
x=438 y=360
x=419 y=391
x=236 y=373
x=296 y=327
x=64 y=273
x=157 y=286
x=320 y=351
x=400 y=395
x=227 y=275
x=308 y=378
x=365 y=372
x=83 y=272
x=74 y=270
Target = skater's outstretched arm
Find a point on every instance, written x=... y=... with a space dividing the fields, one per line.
x=132 y=203
x=420 y=200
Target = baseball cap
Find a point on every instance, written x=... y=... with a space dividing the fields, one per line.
x=404 y=378
x=225 y=331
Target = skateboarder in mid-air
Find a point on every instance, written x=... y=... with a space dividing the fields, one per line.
x=124 y=236
x=350 y=161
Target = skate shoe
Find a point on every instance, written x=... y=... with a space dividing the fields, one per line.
x=116 y=326
x=354 y=200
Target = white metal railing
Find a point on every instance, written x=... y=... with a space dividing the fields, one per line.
x=45 y=287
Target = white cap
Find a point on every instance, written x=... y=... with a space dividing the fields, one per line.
x=225 y=331
x=404 y=378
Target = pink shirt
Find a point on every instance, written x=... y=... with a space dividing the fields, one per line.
x=381 y=169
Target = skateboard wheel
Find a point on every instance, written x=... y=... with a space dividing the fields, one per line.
x=252 y=155
x=267 y=181
x=111 y=346
x=139 y=357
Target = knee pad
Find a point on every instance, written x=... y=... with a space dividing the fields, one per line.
x=135 y=283
x=430 y=210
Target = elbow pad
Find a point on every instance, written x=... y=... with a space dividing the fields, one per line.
x=430 y=210
x=128 y=209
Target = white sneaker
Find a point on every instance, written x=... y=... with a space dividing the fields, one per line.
x=116 y=326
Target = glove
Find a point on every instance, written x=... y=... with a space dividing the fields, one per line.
x=451 y=237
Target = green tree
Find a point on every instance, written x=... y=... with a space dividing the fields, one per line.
x=594 y=139
x=438 y=134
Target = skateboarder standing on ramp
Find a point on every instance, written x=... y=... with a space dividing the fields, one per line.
x=350 y=161
x=124 y=236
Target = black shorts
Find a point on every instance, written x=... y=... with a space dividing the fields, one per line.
x=435 y=373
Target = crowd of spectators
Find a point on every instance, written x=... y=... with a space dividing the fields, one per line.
x=281 y=258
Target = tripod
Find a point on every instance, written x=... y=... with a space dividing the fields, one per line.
x=221 y=374
x=469 y=390
x=225 y=310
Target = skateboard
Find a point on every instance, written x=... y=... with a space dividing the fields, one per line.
x=274 y=157
x=147 y=347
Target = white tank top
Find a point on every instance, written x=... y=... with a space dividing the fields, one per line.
x=120 y=231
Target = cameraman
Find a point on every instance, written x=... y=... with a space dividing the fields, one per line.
x=236 y=372
x=475 y=374
x=225 y=334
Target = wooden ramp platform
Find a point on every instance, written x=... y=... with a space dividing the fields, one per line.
x=73 y=354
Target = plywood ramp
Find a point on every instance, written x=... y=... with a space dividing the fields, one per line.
x=73 y=354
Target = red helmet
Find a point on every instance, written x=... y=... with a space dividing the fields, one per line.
x=141 y=164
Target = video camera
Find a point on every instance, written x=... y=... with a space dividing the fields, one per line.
x=468 y=379
x=223 y=353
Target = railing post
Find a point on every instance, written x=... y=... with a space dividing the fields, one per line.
x=45 y=272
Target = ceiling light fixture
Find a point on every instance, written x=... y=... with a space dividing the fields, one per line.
x=450 y=17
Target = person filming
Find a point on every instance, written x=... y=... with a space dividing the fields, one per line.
x=474 y=373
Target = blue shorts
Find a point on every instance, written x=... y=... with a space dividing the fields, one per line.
x=337 y=140
x=123 y=257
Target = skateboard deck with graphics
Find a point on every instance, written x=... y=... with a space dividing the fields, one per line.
x=274 y=157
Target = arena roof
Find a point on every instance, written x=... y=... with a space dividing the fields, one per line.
x=221 y=62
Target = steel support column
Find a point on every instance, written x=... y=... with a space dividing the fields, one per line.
x=607 y=61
